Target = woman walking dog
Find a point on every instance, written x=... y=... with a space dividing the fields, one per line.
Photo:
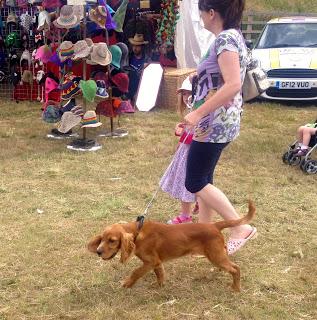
x=217 y=120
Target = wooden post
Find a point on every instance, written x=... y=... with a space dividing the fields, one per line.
x=249 y=27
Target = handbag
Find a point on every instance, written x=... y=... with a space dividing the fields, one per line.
x=255 y=81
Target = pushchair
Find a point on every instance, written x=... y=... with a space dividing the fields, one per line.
x=306 y=163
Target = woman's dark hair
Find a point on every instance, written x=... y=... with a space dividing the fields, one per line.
x=230 y=10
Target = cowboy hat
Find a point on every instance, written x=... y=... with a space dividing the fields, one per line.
x=81 y=50
x=100 y=54
x=138 y=40
x=67 y=19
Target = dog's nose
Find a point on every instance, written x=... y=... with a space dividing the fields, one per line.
x=99 y=252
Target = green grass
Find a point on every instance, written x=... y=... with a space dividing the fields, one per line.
x=47 y=273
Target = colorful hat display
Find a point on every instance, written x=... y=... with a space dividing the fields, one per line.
x=72 y=90
x=67 y=19
x=66 y=50
x=138 y=40
x=44 y=21
x=121 y=81
x=90 y=120
x=124 y=62
x=100 y=54
x=68 y=121
x=81 y=50
x=44 y=53
x=116 y=54
x=89 y=89
x=99 y=16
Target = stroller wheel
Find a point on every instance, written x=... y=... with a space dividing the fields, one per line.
x=302 y=164
x=311 y=167
x=293 y=160
x=285 y=157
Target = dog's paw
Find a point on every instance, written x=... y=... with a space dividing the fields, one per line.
x=128 y=283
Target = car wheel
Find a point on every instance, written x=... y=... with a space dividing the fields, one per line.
x=311 y=167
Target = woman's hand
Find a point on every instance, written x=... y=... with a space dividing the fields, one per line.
x=192 y=119
x=179 y=129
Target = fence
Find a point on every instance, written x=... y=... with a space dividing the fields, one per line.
x=253 y=22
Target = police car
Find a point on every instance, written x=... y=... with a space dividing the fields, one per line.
x=287 y=51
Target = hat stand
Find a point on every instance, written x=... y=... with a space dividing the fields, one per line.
x=112 y=133
x=84 y=144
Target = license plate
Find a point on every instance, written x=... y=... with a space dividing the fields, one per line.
x=293 y=84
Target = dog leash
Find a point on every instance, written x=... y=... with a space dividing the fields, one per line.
x=140 y=219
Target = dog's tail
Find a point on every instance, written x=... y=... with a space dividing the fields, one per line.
x=234 y=223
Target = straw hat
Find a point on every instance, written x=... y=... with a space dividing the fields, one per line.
x=66 y=50
x=68 y=121
x=44 y=21
x=138 y=40
x=67 y=19
x=81 y=50
x=90 y=120
x=99 y=16
x=100 y=54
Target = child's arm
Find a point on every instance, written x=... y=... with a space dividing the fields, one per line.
x=179 y=129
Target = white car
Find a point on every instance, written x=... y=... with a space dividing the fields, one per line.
x=287 y=51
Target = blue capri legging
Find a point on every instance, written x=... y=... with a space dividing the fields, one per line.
x=201 y=163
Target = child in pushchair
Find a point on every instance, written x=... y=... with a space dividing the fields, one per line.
x=300 y=151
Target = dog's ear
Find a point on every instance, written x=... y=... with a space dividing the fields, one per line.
x=94 y=244
x=127 y=246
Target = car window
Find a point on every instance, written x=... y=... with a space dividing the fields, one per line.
x=279 y=35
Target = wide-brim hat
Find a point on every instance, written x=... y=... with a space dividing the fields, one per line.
x=100 y=54
x=68 y=121
x=90 y=120
x=66 y=50
x=81 y=50
x=89 y=89
x=138 y=40
x=99 y=16
x=67 y=19
x=116 y=54
x=44 y=20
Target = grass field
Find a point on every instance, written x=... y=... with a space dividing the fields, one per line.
x=54 y=200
